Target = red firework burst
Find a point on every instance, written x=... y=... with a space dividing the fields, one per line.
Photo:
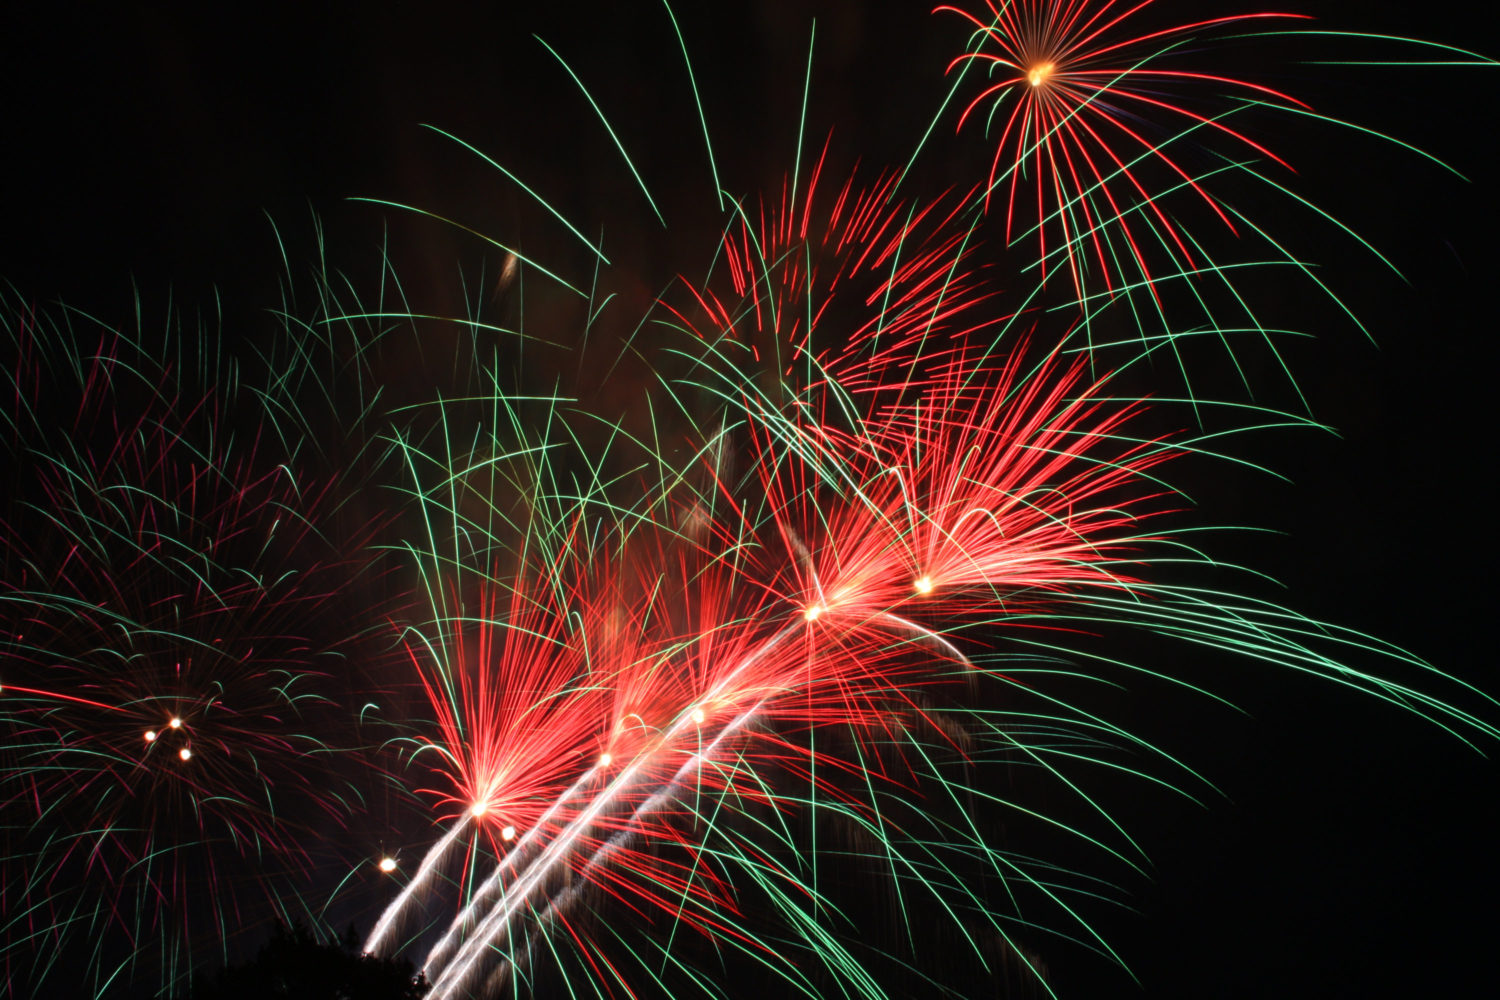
x=867 y=282
x=515 y=717
x=1085 y=105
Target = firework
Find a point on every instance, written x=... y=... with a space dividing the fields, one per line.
x=172 y=687
x=816 y=637
x=632 y=627
x=1085 y=104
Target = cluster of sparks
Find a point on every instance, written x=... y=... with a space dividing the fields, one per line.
x=903 y=493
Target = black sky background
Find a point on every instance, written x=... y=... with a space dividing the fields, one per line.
x=1352 y=855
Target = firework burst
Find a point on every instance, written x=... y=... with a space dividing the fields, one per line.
x=170 y=692
x=1085 y=103
x=783 y=645
x=929 y=510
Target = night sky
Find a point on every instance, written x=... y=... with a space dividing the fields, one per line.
x=1351 y=853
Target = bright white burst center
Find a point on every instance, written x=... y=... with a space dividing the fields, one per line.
x=387 y=864
x=1039 y=74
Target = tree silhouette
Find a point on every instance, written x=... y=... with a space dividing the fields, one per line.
x=296 y=965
